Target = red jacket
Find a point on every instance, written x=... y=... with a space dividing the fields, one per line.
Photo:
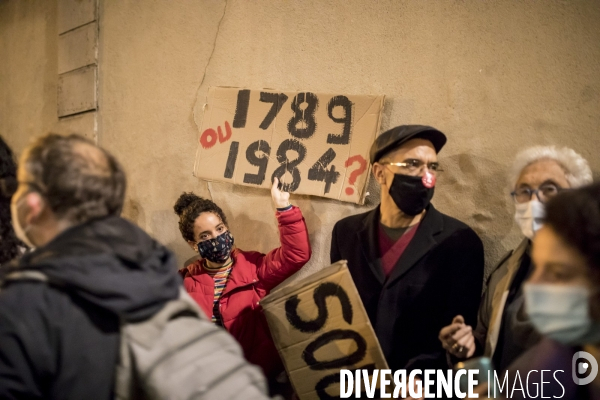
x=253 y=275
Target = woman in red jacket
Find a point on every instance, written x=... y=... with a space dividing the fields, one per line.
x=228 y=282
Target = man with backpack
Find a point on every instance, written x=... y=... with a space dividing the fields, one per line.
x=96 y=311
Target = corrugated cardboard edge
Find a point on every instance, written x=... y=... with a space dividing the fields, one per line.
x=317 y=276
x=204 y=112
x=377 y=129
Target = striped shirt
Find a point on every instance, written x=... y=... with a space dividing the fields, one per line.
x=220 y=276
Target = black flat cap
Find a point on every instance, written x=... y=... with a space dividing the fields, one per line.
x=395 y=137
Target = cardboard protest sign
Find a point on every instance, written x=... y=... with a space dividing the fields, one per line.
x=315 y=143
x=320 y=326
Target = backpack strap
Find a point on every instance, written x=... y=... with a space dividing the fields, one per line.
x=145 y=334
x=24 y=275
x=148 y=331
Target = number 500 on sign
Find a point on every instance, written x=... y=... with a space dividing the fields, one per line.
x=315 y=143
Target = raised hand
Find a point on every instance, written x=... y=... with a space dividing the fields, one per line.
x=280 y=199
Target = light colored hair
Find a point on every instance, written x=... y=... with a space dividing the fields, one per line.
x=577 y=170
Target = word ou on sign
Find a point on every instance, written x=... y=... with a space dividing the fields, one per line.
x=305 y=139
x=209 y=137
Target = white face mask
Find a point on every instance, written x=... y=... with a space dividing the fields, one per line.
x=20 y=232
x=561 y=313
x=529 y=216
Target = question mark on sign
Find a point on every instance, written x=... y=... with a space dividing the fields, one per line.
x=357 y=172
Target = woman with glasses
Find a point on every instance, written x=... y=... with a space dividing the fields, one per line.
x=10 y=246
x=503 y=330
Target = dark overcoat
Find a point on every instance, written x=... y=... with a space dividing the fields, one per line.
x=439 y=275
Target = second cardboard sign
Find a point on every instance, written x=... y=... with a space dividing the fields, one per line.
x=320 y=326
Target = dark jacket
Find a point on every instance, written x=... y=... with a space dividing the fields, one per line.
x=439 y=276
x=60 y=340
x=503 y=330
x=253 y=276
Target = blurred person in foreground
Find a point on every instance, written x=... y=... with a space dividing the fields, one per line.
x=503 y=331
x=59 y=339
x=10 y=246
x=562 y=299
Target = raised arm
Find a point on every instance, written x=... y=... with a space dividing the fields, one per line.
x=282 y=262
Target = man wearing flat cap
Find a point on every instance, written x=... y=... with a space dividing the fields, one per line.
x=415 y=268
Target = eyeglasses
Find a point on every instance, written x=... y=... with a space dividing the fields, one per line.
x=543 y=193
x=414 y=167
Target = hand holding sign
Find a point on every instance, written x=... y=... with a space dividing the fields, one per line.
x=280 y=198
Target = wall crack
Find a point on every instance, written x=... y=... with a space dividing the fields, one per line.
x=212 y=52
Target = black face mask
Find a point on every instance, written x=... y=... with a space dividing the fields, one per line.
x=409 y=194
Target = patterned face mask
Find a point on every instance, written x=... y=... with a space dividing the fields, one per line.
x=218 y=249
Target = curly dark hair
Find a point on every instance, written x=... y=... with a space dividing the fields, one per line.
x=9 y=244
x=575 y=216
x=79 y=180
x=189 y=206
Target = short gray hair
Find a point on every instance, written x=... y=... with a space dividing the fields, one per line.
x=79 y=180
x=577 y=169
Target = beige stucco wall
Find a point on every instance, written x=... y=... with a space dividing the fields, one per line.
x=29 y=74
x=28 y=70
x=495 y=76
